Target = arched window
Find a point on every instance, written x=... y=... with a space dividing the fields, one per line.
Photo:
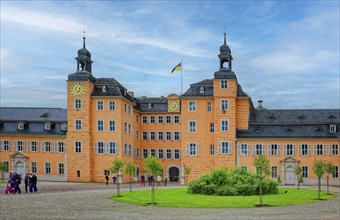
x=202 y=89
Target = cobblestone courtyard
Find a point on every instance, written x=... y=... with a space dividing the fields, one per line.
x=57 y=200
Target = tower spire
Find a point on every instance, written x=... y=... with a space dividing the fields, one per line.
x=225 y=37
x=84 y=39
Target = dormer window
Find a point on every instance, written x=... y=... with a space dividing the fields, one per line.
x=21 y=125
x=258 y=130
x=150 y=105
x=289 y=130
x=301 y=117
x=319 y=130
x=202 y=90
x=104 y=89
x=64 y=126
x=48 y=126
x=332 y=128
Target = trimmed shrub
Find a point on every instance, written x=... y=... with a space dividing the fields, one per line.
x=232 y=182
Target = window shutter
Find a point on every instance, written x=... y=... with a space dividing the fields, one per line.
x=180 y=154
x=219 y=147
x=294 y=148
x=23 y=146
x=308 y=149
x=230 y=147
x=300 y=149
x=239 y=149
x=270 y=149
x=15 y=145
x=9 y=145
x=43 y=147
x=285 y=149
x=29 y=149
x=323 y=149
x=314 y=149
x=198 y=149
x=263 y=149
x=188 y=149
x=254 y=149
x=56 y=147
x=37 y=146
x=52 y=147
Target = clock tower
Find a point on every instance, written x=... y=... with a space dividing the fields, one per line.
x=79 y=138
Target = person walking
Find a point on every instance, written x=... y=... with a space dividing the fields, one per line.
x=32 y=179
x=142 y=180
x=17 y=179
x=26 y=182
x=114 y=179
x=107 y=179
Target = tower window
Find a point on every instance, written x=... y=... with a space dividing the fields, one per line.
x=104 y=89
x=202 y=90
x=224 y=84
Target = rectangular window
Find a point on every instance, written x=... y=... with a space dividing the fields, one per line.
x=77 y=125
x=212 y=127
x=33 y=146
x=137 y=118
x=212 y=150
x=334 y=149
x=6 y=146
x=168 y=136
x=130 y=150
x=332 y=128
x=129 y=110
x=224 y=147
x=160 y=153
x=274 y=149
x=244 y=151
x=100 y=105
x=336 y=172
x=145 y=119
x=168 y=119
x=289 y=149
x=6 y=166
x=77 y=103
x=160 y=135
x=160 y=120
x=64 y=126
x=61 y=169
x=319 y=149
x=47 y=168
x=209 y=106
x=60 y=147
x=112 y=125
x=177 y=154
x=100 y=125
x=152 y=135
x=192 y=126
x=137 y=135
x=137 y=152
x=46 y=146
x=113 y=148
x=304 y=149
x=177 y=135
x=224 y=125
x=77 y=147
x=224 y=104
x=112 y=105
x=34 y=167
x=168 y=154
x=152 y=119
x=125 y=127
x=19 y=146
x=192 y=106
x=145 y=135
x=274 y=172
x=126 y=149
x=224 y=84
x=145 y=153
x=258 y=149
x=192 y=149
x=125 y=108
x=304 y=171
x=153 y=152
x=129 y=126
x=99 y=147
x=78 y=173
x=176 y=119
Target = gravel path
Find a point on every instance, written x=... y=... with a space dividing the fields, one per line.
x=91 y=201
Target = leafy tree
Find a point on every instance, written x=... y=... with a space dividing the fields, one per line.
x=3 y=167
x=153 y=167
x=278 y=179
x=329 y=169
x=298 y=172
x=262 y=164
x=319 y=170
x=130 y=169
x=116 y=167
x=187 y=171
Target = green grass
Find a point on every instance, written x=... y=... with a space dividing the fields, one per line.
x=180 y=198
x=3 y=182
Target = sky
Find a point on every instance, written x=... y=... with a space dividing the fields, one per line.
x=285 y=53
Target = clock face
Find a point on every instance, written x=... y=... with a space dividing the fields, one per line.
x=173 y=106
x=78 y=89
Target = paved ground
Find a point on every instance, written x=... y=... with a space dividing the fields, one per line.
x=91 y=201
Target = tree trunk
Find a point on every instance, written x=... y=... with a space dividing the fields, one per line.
x=298 y=182
x=153 y=195
x=130 y=184
x=118 y=188
x=261 y=200
x=319 y=187
x=328 y=184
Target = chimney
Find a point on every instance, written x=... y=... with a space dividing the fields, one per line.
x=260 y=103
x=131 y=94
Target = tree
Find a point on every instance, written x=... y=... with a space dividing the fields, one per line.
x=116 y=168
x=319 y=170
x=329 y=169
x=153 y=166
x=187 y=171
x=298 y=172
x=278 y=179
x=263 y=170
x=130 y=169
x=3 y=168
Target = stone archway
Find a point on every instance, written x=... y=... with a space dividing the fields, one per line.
x=288 y=166
x=290 y=175
x=174 y=174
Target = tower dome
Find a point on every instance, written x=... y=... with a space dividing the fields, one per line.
x=84 y=62
x=224 y=49
x=83 y=52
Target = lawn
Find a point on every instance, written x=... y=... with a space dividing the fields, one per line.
x=180 y=198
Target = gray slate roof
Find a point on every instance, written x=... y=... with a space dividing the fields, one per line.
x=156 y=104
x=82 y=76
x=304 y=123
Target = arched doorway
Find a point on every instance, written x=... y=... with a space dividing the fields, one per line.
x=173 y=174
x=19 y=168
x=290 y=175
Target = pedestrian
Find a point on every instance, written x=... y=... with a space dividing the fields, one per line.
x=26 y=182
x=32 y=180
x=10 y=176
x=107 y=179
x=159 y=179
x=17 y=179
x=142 y=180
x=114 y=178
x=165 y=180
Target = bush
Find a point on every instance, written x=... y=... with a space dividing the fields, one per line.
x=232 y=182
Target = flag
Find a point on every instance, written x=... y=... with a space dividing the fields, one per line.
x=178 y=67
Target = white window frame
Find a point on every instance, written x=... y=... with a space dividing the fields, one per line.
x=192 y=126
x=212 y=127
x=334 y=149
x=144 y=119
x=112 y=147
x=160 y=119
x=244 y=149
x=305 y=171
x=100 y=125
x=112 y=125
x=192 y=149
x=100 y=105
x=332 y=128
x=34 y=167
x=160 y=154
x=256 y=150
x=224 y=125
x=289 y=149
x=78 y=104
x=336 y=172
x=224 y=84
x=59 y=168
x=212 y=149
x=304 y=149
x=224 y=147
x=209 y=106
x=224 y=104
x=152 y=119
x=145 y=136
x=192 y=106
x=317 y=150
x=111 y=105
x=274 y=149
x=177 y=119
x=168 y=119
x=168 y=154
x=77 y=147
x=160 y=136
x=47 y=169
x=177 y=154
x=77 y=125
x=274 y=172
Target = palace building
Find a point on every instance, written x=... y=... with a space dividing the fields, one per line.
x=213 y=124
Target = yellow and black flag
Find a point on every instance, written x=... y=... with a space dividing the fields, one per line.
x=176 y=68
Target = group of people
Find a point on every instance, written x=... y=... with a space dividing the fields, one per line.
x=114 y=179
x=159 y=180
x=30 y=181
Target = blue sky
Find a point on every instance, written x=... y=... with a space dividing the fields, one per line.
x=285 y=52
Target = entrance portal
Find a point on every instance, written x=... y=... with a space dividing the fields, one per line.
x=173 y=174
x=290 y=175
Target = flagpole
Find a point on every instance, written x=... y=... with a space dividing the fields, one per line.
x=181 y=77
